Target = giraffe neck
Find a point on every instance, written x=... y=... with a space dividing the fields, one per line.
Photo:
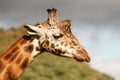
x=18 y=57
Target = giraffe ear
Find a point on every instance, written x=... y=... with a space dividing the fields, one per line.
x=66 y=25
x=31 y=29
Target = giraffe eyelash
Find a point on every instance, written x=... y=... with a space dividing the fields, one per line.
x=56 y=36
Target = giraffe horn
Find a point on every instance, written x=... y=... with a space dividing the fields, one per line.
x=52 y=16
x=51 y=10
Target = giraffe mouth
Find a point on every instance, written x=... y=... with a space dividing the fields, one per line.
x=84 y=57
x=77 y=57
x=81 y=58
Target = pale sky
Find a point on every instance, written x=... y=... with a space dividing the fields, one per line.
x=96 y=23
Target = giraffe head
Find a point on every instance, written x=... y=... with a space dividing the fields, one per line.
x=56 y=37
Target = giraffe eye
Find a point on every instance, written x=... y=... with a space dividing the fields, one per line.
x=56 y=36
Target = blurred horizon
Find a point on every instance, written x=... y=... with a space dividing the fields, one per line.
x=96 y=24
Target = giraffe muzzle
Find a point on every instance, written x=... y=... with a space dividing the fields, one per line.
x=81 y=57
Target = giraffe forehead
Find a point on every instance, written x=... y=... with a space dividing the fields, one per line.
x=48 y=31
x=55 y=30
x=46 y=27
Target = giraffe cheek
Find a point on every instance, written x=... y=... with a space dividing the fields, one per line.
x=52 y=46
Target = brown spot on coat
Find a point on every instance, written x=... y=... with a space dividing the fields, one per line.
x=14 y=49
x=37 y=49
x=10 y=54
x=47 y=42
x=7 y=56
x=28 y=48
x=25 y=63
x=19 y=59
x=52 y=45
x=62 y=43
x=14 y=57
x=66 y=44
x=23 y=42
x=57 y=45
x=58 y=51
x=10 y=74
x=43 y=49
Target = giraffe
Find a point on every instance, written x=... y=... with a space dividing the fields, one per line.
x=52 y=36
x=15 y=60
x=56 y=37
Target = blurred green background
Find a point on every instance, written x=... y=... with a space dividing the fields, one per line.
x=95 y=23
x=50 y=67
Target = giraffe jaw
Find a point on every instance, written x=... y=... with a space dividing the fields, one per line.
x=77 y=57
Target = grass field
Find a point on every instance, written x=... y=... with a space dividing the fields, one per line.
x=50 y=67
